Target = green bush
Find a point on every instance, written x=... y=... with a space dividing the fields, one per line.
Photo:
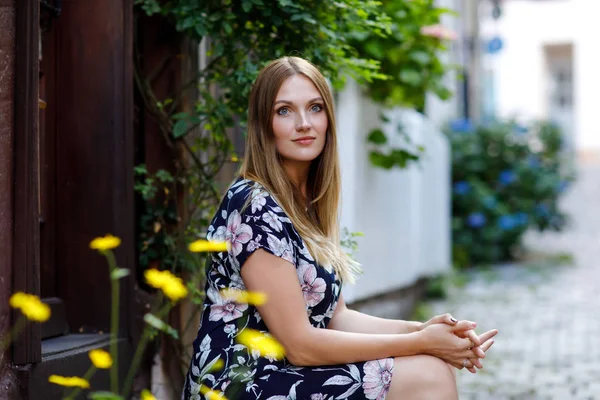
x=506 y=179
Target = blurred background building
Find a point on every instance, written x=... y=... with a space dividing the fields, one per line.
x=541 y=61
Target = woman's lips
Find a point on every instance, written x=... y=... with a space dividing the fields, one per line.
x=305 y=140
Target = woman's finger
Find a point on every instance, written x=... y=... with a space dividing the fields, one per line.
x=473 y=337
x=486 y=345
x=468 y=354
x=464 y=326
x=484 y=337
x=478 y=351
x=476 y=362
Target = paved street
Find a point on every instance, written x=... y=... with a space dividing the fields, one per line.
x=548 y=314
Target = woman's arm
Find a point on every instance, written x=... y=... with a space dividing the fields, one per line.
x=285 y=315
x=347 y=320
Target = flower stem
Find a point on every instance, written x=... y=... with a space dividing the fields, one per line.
x=88 y=375
x=11 y=334
x=114 y=324
x=139 y=351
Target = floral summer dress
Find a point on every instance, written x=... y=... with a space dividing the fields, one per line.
x=248 y=225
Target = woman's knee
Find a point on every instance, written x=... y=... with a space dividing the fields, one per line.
x=422 y=377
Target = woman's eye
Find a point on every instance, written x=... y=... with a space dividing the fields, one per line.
x=283 y=111
x=316 y=108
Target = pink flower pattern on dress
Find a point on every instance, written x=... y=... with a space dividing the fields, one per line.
x=237 y=233
x=378 y=378
x=222 y=309
x=313 y=287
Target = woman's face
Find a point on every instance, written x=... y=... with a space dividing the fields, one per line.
x=299 y=121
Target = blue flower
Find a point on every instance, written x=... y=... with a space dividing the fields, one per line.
x=533 y=161
x=521 y=218
x=507 y=177
x=562 y=186
x=462 y=125
x=462 y=187
x=507 y=222
x=520 y=129
x=476 y=220
x=542 y=210
x=490 y=202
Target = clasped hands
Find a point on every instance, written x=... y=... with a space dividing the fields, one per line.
x=456 y=341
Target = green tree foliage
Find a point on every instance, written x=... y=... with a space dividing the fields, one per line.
x=410 y=59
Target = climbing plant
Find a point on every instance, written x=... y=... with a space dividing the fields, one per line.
x=411 y=58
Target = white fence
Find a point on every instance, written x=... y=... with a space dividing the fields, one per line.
x=404 y=214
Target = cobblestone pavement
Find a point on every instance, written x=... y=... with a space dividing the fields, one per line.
x=548 y=315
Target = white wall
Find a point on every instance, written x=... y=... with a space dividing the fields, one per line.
x=404 y=214
x=439 y=111
x=526 y=27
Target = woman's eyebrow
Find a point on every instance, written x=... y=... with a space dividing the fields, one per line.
x=290 y=102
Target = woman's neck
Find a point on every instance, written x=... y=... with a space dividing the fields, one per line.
x=298 y=173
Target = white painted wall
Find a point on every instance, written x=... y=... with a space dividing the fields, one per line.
x=526 y=27
x=439 y=111
x=404 y=214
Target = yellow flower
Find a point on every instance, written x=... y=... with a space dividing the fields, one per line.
x=18 y=299
x=155 y=278
x=244 y=297
x=217 y=366
x=105 y=243
x=147 y=395
x=266 y=345
x=70 y=381
x=234 y=158
x=101 y=359
x=31 y=306
x=211 y=394
x=201 y=246
x=171 y=285
x=175 y=289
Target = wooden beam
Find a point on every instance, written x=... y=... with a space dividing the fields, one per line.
x=27 y=347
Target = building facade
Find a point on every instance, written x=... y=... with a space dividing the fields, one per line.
x=547 y=67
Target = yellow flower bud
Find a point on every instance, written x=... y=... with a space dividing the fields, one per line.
x=211 y=394
x=155 y=278
x=201 y=246
x=172 y=286
x=147 y=395
x=69 y=381
x=244 y=297
x=266 y=345
x=174 y=289
x=105 y=243
x=101 y=359
x=31 y=306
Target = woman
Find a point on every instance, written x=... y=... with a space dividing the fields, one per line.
x=280 y=221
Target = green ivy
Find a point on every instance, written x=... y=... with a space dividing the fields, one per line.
x=410 y=60
x=413 y=68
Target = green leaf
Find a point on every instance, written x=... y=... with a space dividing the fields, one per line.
x=180 y=116
x=246 y=5
x=227 y=27
x=162 y=326
x=377 y=137
x=103 y=395
x=420 y=57
x=410 y=76
x=119 y=273
x=180 y=128
x=381 y=160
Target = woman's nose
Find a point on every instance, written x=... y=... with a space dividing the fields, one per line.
x=302 y=123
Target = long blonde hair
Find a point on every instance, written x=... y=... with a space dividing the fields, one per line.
x=319 y=227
